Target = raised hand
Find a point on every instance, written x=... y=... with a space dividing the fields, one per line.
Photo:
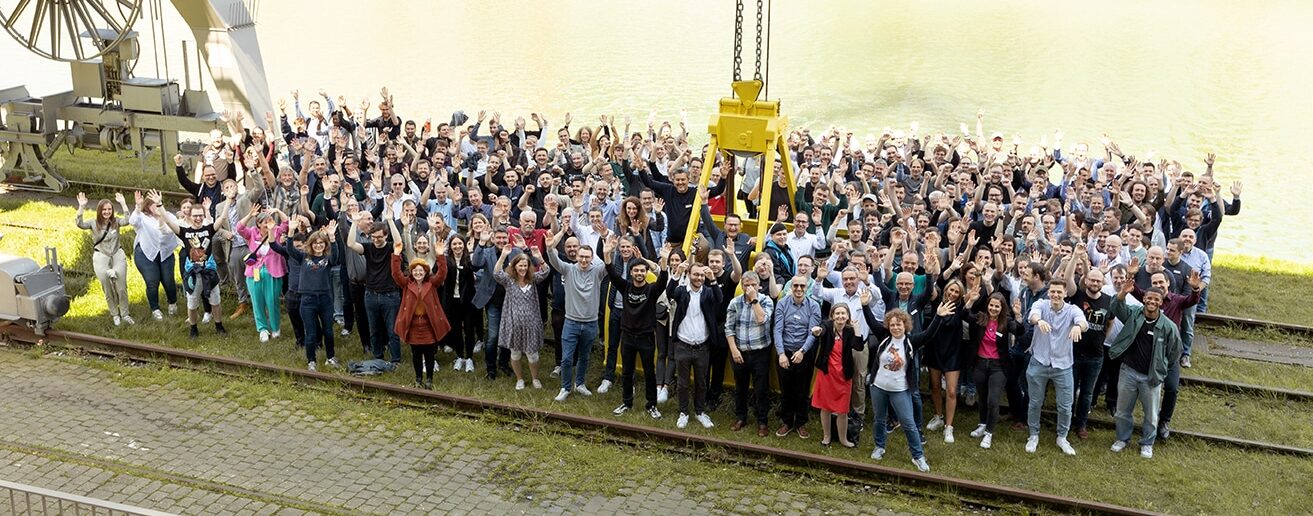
x=82 y=200
x=118 y=197
x=1209 y=159
x=1236 y=188
x=1196 y=280
x=946 y=309
x=177 y=160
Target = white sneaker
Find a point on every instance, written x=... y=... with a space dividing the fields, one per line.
x=158 y=315
x=604 y=386
x=436 y=366
x=332 y=362
x=457 y=365
x=264 y=336
x=620 y=411
x=469 y=365
x=1032 y=444
x=1066 y=446
x=935 y=423
x=311 y=366
x=877 y=454
x=128 y=319
x=1146 y=452
x=537 y=384
x=447 y=349
x=173 y=309
x=682 y=421
x=1118 y=446
x=519 y=385
x=118 y=321
x=979 y=431
x=656 y=414
x=970 y=399
x=275 y=335
x=987 y=440
x=921 y=464
x=478 y=346
x=556 y=372
x=561 y=396
x=205 y=319
x=345 y=332
x=663 y=394
x=948 y=435
x=583 y=390
x=705 y=420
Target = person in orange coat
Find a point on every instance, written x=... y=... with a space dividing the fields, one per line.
x=420 y=320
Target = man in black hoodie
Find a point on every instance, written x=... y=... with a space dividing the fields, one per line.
x=637 y=323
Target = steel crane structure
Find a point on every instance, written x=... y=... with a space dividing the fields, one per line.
x=109 y=107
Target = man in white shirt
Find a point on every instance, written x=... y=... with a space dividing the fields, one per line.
x=695 y=309
x=803 y=242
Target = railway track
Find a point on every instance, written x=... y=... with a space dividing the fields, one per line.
x=972 y=492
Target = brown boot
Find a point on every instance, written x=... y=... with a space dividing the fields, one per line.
x=241 y=310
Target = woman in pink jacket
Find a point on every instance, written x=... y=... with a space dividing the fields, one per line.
x=264 y=268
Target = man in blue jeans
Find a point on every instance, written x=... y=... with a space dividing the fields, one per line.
x=1149 y=344
x=583 y=282
x=1089 y=349
x=1057 y=325
x=488 y=295
x=382 y=299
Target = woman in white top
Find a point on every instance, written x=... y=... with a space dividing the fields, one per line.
x=107 y=257
x=891 y=380
x=153 y=251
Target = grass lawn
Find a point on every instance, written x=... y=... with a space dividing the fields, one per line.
x=1238 y=480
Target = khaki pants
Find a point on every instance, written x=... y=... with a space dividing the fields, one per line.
x=116 y=288
x=858 y=403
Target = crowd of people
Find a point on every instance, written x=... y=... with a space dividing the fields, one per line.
x=996 y=268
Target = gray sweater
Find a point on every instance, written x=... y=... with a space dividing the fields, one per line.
x=583 y=290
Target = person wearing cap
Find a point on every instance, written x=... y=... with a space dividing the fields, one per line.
x=420 y=322
x=638 y=323
x=778 y=250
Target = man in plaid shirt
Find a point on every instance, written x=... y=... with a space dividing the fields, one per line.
x=747 y=329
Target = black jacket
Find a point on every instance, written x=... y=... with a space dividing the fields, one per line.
x=825 y=346
x=709 y=301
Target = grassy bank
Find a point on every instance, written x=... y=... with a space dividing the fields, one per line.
x=1241 y=480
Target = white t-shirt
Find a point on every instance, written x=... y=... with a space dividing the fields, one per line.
x=887 y=377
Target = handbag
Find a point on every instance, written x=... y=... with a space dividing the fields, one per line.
x=251 y=258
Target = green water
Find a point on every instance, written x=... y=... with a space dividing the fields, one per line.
x=1177 y=78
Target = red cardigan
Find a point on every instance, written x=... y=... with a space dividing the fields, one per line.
x=413 y=293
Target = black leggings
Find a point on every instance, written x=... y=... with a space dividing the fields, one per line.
x=421 y=357
x=990 y=381
x=465 y=320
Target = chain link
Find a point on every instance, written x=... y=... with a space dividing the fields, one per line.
x=738 y=38
x=757 y=75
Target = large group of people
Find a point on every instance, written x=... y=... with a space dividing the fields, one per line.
x=996 y=269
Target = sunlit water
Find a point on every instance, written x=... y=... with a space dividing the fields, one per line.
x=1178 y=78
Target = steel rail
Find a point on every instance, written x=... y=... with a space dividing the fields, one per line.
x=618 y=428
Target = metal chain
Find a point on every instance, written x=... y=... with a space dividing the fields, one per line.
x=738 y=38
x=757 y=75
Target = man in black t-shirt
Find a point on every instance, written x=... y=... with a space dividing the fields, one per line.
x=382 y=299
x=197 y=238
x=1089 y=351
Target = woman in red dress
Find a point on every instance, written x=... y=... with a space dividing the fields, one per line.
x=836 y=341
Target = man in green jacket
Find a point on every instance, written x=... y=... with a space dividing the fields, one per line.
x=1147 y=344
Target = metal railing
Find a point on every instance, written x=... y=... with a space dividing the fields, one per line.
x=22 y=499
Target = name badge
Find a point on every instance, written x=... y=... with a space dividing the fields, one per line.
x=914 y=312
x=998 y=334
x=1150 y=333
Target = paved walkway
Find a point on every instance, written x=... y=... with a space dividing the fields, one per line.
x=1262 y=351
x=70 y=427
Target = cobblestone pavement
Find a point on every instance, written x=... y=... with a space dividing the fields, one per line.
x=70 y=427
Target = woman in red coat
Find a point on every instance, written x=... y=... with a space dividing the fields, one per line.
x=420 y=320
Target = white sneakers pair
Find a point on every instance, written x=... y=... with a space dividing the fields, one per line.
x=920 y=463
x=1145 y=451
x=663 y=395
x=1033 y=443
x=702 y=418
x=986 y=438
